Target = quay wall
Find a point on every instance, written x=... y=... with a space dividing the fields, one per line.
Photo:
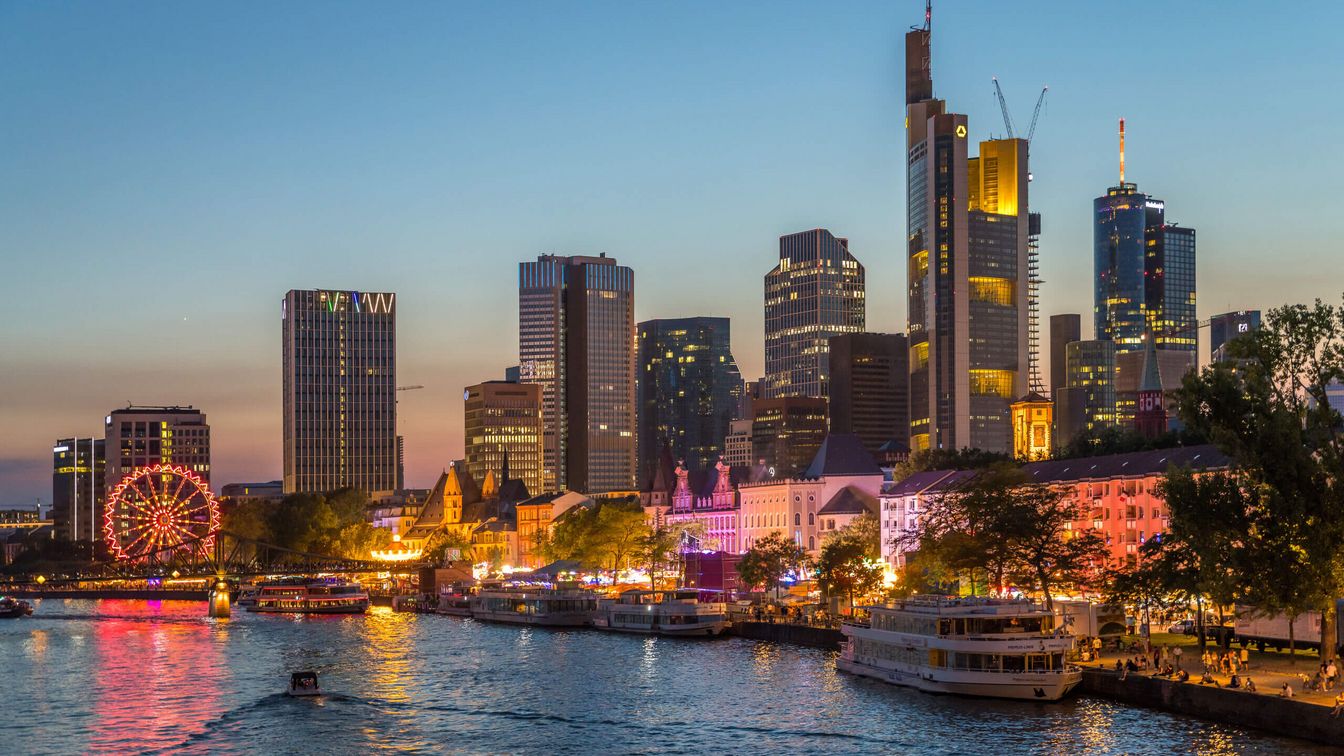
x=1281 y=716
x=800 y=635
x=127 y=595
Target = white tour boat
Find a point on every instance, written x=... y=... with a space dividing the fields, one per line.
x=662 y=613
x=311 y=597
x=999 y=648
x=550 y=607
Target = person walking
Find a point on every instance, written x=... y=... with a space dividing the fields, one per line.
x=1245 y=658
x=1176 y=653
x=1331 y=675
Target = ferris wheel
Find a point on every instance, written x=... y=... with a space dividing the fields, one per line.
x=157 y=509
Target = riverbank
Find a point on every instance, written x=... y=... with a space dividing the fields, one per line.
x=1290 y=717
x=782 y=632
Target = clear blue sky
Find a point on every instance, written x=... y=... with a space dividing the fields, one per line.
x=170 y=169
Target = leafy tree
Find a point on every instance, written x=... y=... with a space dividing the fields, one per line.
x=1008 y=528
x=1121 y=440
x=605 y=537
x=440 y=541
x=662 y=546
x=966 y=458
x=1268 y=408
x=847 y=562
x=769 y=560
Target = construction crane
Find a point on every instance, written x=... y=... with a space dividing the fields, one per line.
x=1008 y=119
x=409 y=388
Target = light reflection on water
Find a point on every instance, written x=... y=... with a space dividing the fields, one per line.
x=126 y=677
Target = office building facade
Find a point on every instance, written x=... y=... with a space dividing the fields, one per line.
x=815 y=292
x=969 y=237
x=1064 y=330
x=576 y=339
x=870 y=387
x=689 y=389
x=787 y=432
x=77 y=488
x=137 y=437
x=1228 y=326
x=1087 y=403
x=340 y=402
x=502 y=423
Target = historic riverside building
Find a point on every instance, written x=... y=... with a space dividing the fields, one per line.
x=340 y=380
x=815 y=292
x=1144 y=287
x=740 y=505
x=77 y=489
x=483 y=515
x=970 y=239
x=502 y=423
x=870 y=388
x=689 y=390
x=136 y=437
x=576 y=339
x=1119 y=493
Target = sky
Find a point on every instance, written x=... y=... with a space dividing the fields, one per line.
x=169 y=170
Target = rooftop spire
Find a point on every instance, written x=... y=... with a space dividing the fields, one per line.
x=1122 y=152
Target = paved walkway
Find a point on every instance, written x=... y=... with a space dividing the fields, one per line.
x=1269 y=670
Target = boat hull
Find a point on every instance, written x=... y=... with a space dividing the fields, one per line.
x=703 y=631
x=15 y=613
x=350 y=609
x=539 y=620
x=1025 y=686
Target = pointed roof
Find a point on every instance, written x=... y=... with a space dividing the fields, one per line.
x=842 y=454
x=1152 y=374
x=1032 y=398
x=849 y=500
x=665 y=472
x=489 y=486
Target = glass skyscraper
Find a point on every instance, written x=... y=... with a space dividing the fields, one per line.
x=77 y=488
x=968 y=233
x=340 y=380
x=576 y=338
x=815 y=292
x=689 y=391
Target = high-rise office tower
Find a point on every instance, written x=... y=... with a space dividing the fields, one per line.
x=815 y=292
x=1145 y=271
x=870 y=388
x=737 y=444
x=77 y=489
x=503 y=428
x=576 y=339
x=689 y=390
x=1228 y=326
x=340 y=381
x=1087 y=403
x=136 y=437
x=787 y=432
x=968 y=261
x=1064 y=330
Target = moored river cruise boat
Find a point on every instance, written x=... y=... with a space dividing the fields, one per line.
x=310 y=597
x=547 y=607
x=677 y=613
x=998 y=648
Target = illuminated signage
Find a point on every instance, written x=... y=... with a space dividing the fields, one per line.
x=961 y=131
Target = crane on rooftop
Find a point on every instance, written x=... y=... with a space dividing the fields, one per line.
x=1008 y=119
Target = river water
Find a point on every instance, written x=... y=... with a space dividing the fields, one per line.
x=159 y=677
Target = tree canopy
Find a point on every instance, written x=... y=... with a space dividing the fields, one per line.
x=769 y=561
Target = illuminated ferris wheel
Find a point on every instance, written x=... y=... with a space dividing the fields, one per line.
x=157 y=509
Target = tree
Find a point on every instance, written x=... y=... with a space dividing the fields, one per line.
x=1000 y=524
x=663 y=545
x=847 y=562
x=603 y=537
x=1269 y=410
x=769 y=560
x=1120 y=440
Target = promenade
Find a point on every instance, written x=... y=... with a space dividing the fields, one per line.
x=1269 y=670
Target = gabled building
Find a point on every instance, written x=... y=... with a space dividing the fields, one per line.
x=537 y=514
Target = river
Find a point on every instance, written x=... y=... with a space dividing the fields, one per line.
x=158 y=677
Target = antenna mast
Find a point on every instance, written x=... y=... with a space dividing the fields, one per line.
x=1122 y=152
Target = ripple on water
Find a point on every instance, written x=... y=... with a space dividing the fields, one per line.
x=140 y=677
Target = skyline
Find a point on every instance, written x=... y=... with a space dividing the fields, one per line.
x=126 y=163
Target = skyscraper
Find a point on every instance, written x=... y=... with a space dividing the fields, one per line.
x=1228 y=326
x=870 y=388
x=576 y=338
x=815 y=292
x=1145 y=271
x=787 y=432
x=689 y=390
x=1064 y=330
x=77 y=488
x=340 y=380
x=969 y=233
x=136 y=437
x=1087 y=403
x=503 y=427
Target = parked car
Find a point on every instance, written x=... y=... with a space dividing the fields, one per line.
x=1183 y=627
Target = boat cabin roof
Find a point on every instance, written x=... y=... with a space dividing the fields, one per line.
x=963 y=606
x=299 y=677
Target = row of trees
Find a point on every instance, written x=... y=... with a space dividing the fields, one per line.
x=1268 y=532
x=614 y=536
x=848 y=563
x=332 y=524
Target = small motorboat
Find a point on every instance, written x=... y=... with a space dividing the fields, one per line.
x=12 y=608
x=304 y=684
